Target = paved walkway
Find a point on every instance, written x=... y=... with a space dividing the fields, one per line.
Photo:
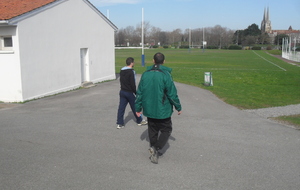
x=70 y=141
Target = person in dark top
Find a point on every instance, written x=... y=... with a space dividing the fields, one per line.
x=157 y=97
x=127 y=93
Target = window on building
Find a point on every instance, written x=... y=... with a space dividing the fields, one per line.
x=6 y=43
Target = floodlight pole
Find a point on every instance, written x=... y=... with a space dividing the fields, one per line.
x=143 y=55
x=203 y=41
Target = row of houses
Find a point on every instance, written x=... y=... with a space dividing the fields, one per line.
x=52 y=46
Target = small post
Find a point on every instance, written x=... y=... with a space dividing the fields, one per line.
x=208 y=80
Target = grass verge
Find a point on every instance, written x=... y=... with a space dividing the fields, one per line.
x=293 y=120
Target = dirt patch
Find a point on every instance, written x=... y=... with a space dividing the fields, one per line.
x=5 y=105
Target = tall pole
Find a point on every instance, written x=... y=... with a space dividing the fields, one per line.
x=143 y=55
x=203 y=43
x=190 y=40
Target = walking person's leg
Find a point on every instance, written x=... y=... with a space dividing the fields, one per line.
x=165 y=127
x=131 y=100
x=153 y=131
x=121 y=110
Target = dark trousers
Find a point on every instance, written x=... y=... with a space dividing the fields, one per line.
x=125 y=98
x=164 y=126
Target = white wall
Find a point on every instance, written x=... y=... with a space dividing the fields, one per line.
x=10 y=73
x=50 y=45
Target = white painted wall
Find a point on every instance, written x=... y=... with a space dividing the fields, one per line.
x=50 y=44
x=10 y=73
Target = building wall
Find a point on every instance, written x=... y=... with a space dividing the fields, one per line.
x=10 y=71
x=50 y=44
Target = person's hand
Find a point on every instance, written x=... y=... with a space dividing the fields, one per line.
x=138 y=114
x=179 y=112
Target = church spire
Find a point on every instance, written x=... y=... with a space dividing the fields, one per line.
x=266 y=23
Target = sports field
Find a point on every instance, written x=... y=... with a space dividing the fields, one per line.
x=244 y=78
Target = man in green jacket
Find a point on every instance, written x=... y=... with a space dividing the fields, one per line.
x=156 y=97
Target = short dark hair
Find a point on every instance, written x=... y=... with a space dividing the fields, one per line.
x=159 y=58
x=129 y=60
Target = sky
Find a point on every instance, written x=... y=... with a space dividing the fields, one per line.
x=169 y=15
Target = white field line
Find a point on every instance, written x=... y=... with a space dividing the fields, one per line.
x=220 y=69
x=223 y=69
x=268 y=60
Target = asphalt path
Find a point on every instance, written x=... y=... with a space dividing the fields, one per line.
x=70 y=142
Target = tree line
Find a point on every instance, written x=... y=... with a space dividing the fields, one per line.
x=215 y=37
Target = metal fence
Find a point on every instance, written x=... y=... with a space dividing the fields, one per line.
x=289 y=49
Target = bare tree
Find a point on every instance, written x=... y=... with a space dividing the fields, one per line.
x=265 y=38
x=216 y=36
x=249 y=40
x=147 y=27
x=174 y=37
x=120 y=38
x=154 y=35
x=163 y=38
x=197 y=37
x=129 y=35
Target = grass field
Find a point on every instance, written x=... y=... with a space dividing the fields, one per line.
x=244 y=78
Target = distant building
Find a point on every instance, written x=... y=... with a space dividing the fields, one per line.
x=266 y=27
x=266 y=23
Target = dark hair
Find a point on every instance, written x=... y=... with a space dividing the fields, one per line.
x=129 y=60
x=159 y=58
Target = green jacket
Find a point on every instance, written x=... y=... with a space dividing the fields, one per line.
x=157 y=95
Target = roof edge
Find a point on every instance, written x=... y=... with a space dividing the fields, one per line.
x=5 y=23
x=100 y=14
x=16 y=19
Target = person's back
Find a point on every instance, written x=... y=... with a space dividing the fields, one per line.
x=156 y=96
x=158 y=92
x=127 y=79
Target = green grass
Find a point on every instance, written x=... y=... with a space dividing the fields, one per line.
x=274 y=52
x=241 y=77
x=290 y=120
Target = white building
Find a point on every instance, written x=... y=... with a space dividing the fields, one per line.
x=52 y=46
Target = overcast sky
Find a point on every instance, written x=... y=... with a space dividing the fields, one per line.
x=172 y=14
